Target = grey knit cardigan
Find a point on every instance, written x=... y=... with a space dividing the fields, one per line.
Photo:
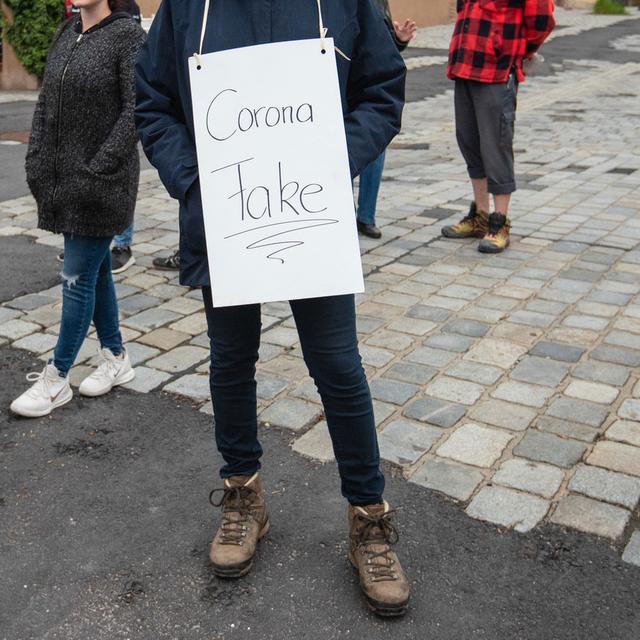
x=82 y=163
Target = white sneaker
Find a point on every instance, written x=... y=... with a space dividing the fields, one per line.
x=48 y=392
x=110 y=373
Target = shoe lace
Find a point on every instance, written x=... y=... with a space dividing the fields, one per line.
x=374 y=538
x=119 y=250
x=107 y=368
x=42 y=384
x=174 y=258
x=238 y=505
x=496 y=222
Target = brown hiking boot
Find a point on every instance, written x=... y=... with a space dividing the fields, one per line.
x=473 y=225
x=244 y=522
x=497 y=238
x=382 y=579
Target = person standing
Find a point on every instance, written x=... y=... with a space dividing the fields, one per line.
x=371 y=79
x=493 y=42
x=83 y=168
x=371 y=175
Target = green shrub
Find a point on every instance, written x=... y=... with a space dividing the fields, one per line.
x=609 y=7
x=30 y=34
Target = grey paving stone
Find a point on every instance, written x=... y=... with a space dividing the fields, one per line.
x=433 y=411
x=632 y=550
x=582 y=411
x=624 y=431
x=404 y=443
x=449 y=342
x=36 y=342
x=390 y=340
x=609 y=486
x=497 y=302
x=481 y=373
x=616 y=355
x=179 y=359
x=151 y=319
x=138 y=353
x=567 y=429
x=501 y=353
x=382 y=411
x=468 y=328
x=583 y=275
x=17 y=328
x=532 y=318
x=591 y=323
x=592 y=391
x=424 y=312
x=475 y=445
x=544 y=371
x=375 y=356
x=461 y=291
x=545 y=447
x=508 y=508
x=609 y=297
x=138 y=302
x=195 y=386
x=533 y=477
x=413 y=326
x=546 y=306
x=412 y=373
x=432 y=357
x=30 y=301
x=630 y=409
x=623 y=339
x=291 y=414
x=601 y=372
x=316 y=443
x=367 y=324
x=7 y=314
x=147 y=379
x=591 y=516
x=452 y=479
x=269 y=386
x=392 y=391
x=306 y=390
x=510 y=416
x=557 y=351
x=616 y=456
x=521 y=393
x=455 y=390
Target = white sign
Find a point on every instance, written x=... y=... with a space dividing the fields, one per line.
x=274 y=173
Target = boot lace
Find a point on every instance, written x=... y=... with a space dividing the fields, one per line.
x=377 y=531
x=496 y=222
x=237 y=510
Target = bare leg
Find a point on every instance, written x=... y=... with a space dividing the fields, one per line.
x=481 y=194
x=502 y=203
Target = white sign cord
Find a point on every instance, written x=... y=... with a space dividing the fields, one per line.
x=205 y=17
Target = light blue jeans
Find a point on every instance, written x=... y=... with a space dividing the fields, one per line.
x=125 y=239
x=368 y=192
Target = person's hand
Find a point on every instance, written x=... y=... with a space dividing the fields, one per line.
x=405 y=32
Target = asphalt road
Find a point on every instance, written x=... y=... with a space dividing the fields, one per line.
x=104 y=524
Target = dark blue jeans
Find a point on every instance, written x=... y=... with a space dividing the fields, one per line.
x=88 y=293
x=327 y=330
x=368 y=190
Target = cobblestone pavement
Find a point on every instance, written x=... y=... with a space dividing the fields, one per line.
x=509 y=383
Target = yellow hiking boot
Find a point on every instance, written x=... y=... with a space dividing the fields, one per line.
x=473 y=225
x=496 y=239
x=244 y=522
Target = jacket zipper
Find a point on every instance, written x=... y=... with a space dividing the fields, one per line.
x=60 y=89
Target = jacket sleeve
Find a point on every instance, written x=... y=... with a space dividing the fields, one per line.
x=375 y=90
x=122 y=138
x=159 y=116
x=538 y=23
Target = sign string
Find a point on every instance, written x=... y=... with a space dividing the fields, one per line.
x=205 y=17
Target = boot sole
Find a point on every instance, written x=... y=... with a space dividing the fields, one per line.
x=452 y=235
x=128 y=378
x=491 y=248
x=239 y=570
x=380 y=608
x=40 y=414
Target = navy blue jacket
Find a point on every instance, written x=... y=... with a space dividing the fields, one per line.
x=371 y=85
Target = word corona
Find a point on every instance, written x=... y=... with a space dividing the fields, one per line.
x=254 y=118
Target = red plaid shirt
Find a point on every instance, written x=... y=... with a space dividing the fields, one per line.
x=492 y=37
